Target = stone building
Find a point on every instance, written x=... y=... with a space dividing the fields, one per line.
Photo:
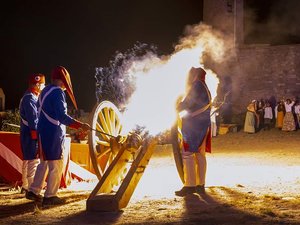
x=2 y=100
x=268 y=71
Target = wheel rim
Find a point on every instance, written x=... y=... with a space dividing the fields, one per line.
x=105 y=118
x=176 y=140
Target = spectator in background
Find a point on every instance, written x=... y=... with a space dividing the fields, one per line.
x=297 y=113
x=279 y=114
x=250 y=120
x=288 y=120
x=260 y=114
x=268 y=116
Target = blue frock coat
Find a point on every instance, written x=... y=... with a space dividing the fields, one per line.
x=28 y=123
x=194 y=128
x=53 y=119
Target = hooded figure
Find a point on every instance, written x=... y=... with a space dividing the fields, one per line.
x=250 y=119
x=28 y=128
x=197 y=103
x=53 y=119
x=195 y=132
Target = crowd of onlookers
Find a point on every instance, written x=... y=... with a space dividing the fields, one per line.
x=261 y=114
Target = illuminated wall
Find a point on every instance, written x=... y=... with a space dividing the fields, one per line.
x=256 y=70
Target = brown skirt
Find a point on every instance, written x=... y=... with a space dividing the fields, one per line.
x=279 y=120
x=288 y=122
x=249 y=125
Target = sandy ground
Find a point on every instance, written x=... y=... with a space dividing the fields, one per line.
x=251 y=179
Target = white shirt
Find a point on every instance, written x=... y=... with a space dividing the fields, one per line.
x=268 y=113
x=288 y=107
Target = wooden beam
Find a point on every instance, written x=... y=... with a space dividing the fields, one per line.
x=102 y=199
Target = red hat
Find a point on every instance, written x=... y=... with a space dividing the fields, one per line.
x=60 y=73
x=36 y=78
x=196 y=72
x=202 y=73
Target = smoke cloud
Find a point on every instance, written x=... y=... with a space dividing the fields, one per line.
x=148 y=85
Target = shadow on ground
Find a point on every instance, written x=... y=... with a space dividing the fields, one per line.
x=220 y=205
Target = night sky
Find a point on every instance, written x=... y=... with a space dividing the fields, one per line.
x=83 y=35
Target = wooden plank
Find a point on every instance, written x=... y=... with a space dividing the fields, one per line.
x=101 y=199
x=133 y=176
x=103 y=202
x=111 y=174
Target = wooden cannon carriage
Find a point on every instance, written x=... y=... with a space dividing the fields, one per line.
x=119 y=160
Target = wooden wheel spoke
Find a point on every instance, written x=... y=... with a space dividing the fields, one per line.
x=113 y=122
x=98 y=127
x=118 y=127
x=107 y=162
x=110 y=158
x=103 y=123
x=100 y=170
x=106 y=119
x=104 y=143
x=99 y=156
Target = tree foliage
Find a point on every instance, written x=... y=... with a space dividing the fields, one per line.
x=10 y=118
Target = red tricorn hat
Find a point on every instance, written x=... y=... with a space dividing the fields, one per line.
x=36 y=78
x=60 y=73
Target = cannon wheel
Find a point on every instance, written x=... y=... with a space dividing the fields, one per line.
x=176 y=139
x=105 y=118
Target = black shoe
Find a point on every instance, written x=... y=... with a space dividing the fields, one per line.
x=31 y=196
x=185 y=191
x=200 y=189
x=53 y=201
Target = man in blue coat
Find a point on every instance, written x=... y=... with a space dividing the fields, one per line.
x=28 y=128
x=53 y=119
x=195 y=132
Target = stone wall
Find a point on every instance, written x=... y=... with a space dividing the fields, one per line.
x=255 y=71
x=269 y=71
x=219 y=14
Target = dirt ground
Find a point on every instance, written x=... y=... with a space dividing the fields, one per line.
x=251 y=179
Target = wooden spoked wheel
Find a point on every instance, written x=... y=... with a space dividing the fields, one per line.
x=105 y=118
x=176 y=139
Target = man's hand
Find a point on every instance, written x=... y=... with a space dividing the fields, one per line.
x=33 y=134
x=85 y=127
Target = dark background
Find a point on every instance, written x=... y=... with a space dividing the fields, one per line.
x=274 y=22
x=82 y=35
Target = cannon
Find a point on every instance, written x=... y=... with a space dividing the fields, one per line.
x=119 y=161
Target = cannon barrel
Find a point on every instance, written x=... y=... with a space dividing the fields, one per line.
x=131 y=140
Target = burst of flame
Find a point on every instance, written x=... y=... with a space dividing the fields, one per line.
x=160 y=81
